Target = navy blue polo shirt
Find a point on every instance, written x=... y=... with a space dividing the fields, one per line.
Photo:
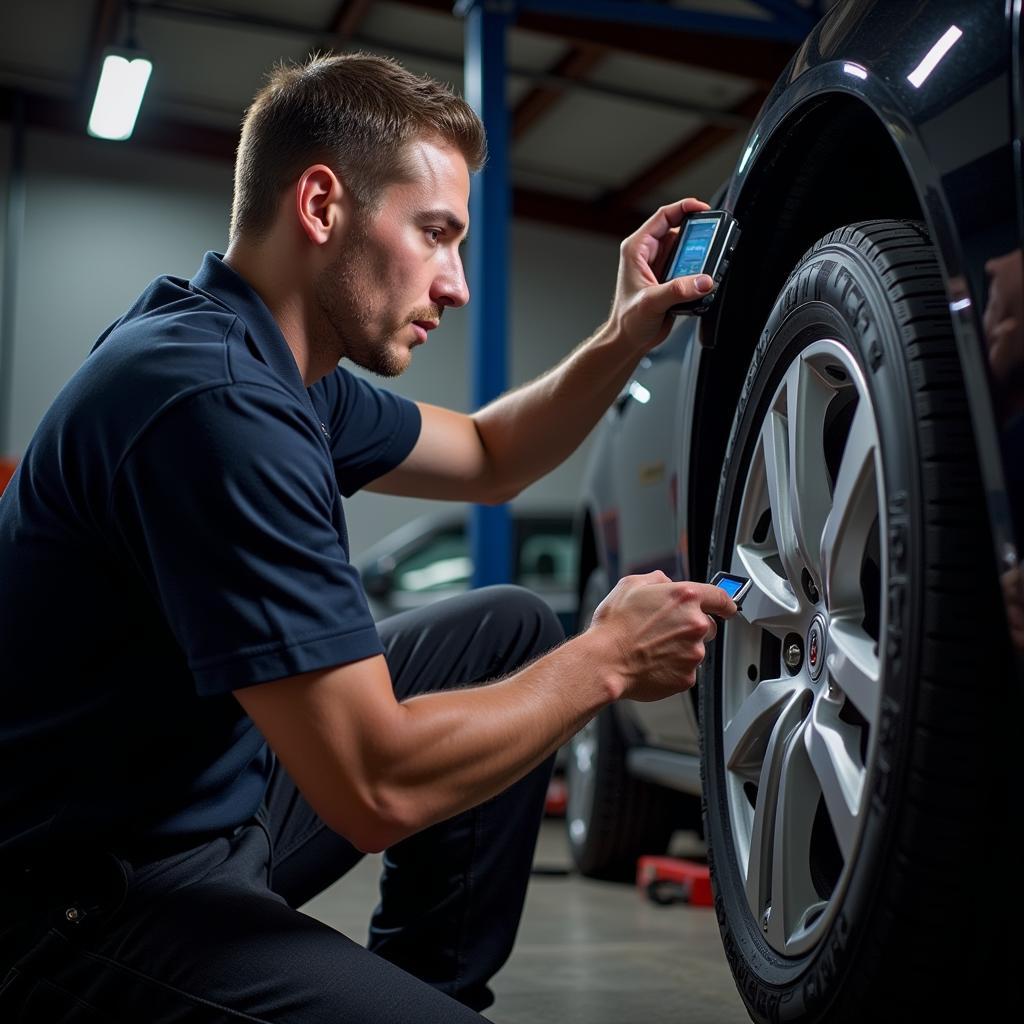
x=175 y=531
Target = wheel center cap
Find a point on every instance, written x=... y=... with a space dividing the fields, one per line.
x=816 y=647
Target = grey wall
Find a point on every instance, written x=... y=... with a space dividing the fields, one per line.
x=102 y=220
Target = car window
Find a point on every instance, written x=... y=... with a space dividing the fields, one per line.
x=547 y=561
x=442 y=563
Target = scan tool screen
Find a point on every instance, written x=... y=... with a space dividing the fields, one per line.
x=731 y=587
x=693 y=249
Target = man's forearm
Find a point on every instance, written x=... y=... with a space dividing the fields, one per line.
x=530 y=431
x=454 y=749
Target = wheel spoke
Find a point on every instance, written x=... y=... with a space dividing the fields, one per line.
x=834 y=752
x=792 y=886
x=746 y=736
x=774 y=449
x=762 y=836
x=854 y=665
x=854 y=511
x=771 y=602
x=807 y=401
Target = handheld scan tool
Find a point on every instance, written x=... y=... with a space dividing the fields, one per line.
x=735 y=586
x=706 y=241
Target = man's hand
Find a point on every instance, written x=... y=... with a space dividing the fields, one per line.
x=660 y=629
x=640 y=309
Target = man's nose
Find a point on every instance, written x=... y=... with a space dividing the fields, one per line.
x=450 y=288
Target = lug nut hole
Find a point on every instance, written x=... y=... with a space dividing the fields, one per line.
x=809 y=588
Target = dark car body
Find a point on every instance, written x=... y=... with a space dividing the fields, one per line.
x=829 y=147
x=863 y=126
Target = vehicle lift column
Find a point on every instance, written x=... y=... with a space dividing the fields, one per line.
x=490 y=530
x=487 y=23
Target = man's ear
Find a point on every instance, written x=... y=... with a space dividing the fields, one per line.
x=318 y=202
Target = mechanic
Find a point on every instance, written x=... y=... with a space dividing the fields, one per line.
x=201 y=727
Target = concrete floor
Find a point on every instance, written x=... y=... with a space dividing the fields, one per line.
x=587 y=952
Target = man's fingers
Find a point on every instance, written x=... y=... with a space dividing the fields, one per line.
x=681 y=289
x=671 y=216
x=715 y=601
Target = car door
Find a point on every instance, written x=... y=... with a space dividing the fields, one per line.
x=650 y=454
x=646 y=452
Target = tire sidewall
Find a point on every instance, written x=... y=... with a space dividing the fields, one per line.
x=834 y=293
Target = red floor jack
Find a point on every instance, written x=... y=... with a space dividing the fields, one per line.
x=557 y=798
x=668 y=880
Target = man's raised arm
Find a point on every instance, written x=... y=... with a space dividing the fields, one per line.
x=493 y=454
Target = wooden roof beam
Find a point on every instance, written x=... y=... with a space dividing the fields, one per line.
x=685 y=152
x=580 y=214
x=180 y=138
x=576 y=63
x=347 y=19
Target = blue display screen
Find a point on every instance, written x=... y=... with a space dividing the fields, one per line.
x=731 y=587
x=694 y=246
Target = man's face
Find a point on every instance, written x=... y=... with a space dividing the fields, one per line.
x=398 y=267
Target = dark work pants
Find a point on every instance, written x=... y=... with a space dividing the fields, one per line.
x=212 y=934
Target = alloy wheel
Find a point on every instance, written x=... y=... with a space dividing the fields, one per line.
x=802 y=677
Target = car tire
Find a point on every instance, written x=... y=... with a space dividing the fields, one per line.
x=612 y=818
x=852 y=753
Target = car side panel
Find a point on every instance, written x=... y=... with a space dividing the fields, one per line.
x=646 y=446
x=633 y=493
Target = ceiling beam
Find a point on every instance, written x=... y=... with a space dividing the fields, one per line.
x=347 y=19
x=759 y=59
x=183 y=139
x=580 y=214
x=548 y=80
x=151 y=132
x=575 y=64
x=686 y=151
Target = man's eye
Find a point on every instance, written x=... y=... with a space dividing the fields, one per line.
x=433 y=236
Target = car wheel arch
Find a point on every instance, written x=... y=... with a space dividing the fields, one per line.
x=833 y=162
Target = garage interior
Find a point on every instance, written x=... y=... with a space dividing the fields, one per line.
x=610 y=109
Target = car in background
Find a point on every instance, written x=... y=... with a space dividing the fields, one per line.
x=429 y=559
x=844 y=428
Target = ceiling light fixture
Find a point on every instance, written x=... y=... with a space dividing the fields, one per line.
x=119 y=95
x=121 y=87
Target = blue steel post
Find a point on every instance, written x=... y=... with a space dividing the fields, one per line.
x=486 y=24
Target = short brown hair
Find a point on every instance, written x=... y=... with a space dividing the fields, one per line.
x=355 y=112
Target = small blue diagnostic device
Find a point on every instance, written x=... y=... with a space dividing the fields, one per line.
x=735 y=586
x=706 y=241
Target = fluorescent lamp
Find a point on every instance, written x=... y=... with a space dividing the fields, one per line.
x=119 y=96
x=933 y=56
x=855 y=69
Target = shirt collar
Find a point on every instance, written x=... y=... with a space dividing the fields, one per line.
x=230 y=289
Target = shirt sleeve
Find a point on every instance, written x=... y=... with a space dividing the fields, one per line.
x=371 y=430
x=228 y=507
